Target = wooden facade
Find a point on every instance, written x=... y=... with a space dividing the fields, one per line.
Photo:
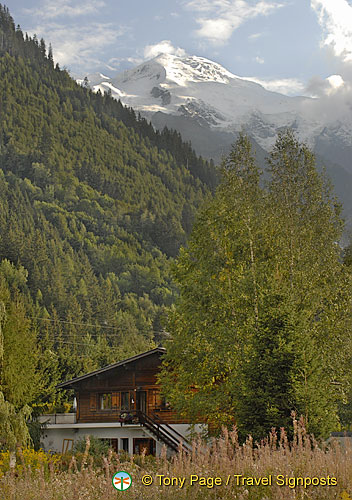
x=123 y=392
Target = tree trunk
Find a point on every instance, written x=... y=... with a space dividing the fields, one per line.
x=12 y=461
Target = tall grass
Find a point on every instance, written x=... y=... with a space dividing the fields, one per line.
x=79 y=478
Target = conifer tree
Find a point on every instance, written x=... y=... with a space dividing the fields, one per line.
x=19 y=376
x=14 y=381
x=310 y=279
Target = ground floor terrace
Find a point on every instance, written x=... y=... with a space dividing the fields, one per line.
x=61 y=431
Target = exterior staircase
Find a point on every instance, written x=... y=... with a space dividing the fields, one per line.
x=163 y=432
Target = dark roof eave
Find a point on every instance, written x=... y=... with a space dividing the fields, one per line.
x=69 y=384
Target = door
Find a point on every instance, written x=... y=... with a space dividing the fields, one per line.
x=141 y=401
x=144 y=444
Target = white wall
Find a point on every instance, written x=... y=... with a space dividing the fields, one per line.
x=52 y=438
x=53 y=435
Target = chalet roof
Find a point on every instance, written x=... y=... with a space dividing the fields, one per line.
x=69 y=383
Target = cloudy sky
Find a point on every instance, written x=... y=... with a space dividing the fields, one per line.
x=292 y=46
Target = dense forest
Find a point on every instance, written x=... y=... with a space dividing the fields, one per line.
x=94 y=206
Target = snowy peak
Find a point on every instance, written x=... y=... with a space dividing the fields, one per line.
x=200 y=89
x=168 y=68
x=209 y=105
x=192 y=69
x=151 y=70
x=203 y=91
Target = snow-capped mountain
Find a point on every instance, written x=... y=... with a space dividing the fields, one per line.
x=205 y=91
x=209 y=105
x=94 y=79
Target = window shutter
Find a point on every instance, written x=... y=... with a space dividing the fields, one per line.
x=154 y=399
x=158 y=399
x=93 y=401
x=115 y=400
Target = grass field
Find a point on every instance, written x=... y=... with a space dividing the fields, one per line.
x=274 y=469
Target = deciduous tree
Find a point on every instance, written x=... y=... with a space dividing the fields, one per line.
x=265 y=301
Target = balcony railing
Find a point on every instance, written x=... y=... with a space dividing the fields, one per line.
x=159 y=414
x=58 y=418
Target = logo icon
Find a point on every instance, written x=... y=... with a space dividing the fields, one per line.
x=121 y=480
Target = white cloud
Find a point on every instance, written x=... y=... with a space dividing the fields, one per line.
x=287 y=86
x=259 y=60
x=218 y=19
x=163 y=47
x=79 y=45
x=319 y=87
x=335 y=17
x=64 y=8
x=114 y=63
x=255 y=36
x=217 y=30
x=335 y=91
x=334 y=103
x=336 y=81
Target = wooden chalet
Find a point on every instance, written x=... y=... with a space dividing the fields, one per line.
x=122 y=402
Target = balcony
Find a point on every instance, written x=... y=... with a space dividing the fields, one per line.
x=57 y=418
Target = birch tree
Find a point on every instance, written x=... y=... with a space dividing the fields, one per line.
x=264 y=308
x=219 y=307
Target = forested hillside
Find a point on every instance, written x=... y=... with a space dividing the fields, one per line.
x=94 y=204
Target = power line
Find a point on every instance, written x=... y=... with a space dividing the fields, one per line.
x=74 y=343
x=97 y=325
x=72 y=322
x=83 y=344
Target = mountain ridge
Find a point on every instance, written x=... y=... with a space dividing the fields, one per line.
x=94 y=206
x=209 y=106
x=200 y=88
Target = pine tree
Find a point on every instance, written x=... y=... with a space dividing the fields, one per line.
x=50 y=54
x=14 y=410
x=313 y=284
x=19 y=375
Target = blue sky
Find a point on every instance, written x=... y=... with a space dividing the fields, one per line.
x=292 y=46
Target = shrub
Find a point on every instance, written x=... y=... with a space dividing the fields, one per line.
x=29 y=459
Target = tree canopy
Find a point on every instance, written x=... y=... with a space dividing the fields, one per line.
x=262 y=325
x=94 y=205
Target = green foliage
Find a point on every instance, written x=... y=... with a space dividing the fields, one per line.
x=13 y=428
x=19 y=377
x=262 y=325
x=94 y=204
x=35 y=429
x=97 y=447
x=267 y=397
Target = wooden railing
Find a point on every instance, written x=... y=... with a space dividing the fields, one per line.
x=165 y=433
x=159 y=421
x=158 y=427
x=128 y=416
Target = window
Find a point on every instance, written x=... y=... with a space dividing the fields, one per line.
x=113 y=444
x=110 y=442
x=124 y=444
x=125 y=400
x=105 y=401
x=165 y=405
